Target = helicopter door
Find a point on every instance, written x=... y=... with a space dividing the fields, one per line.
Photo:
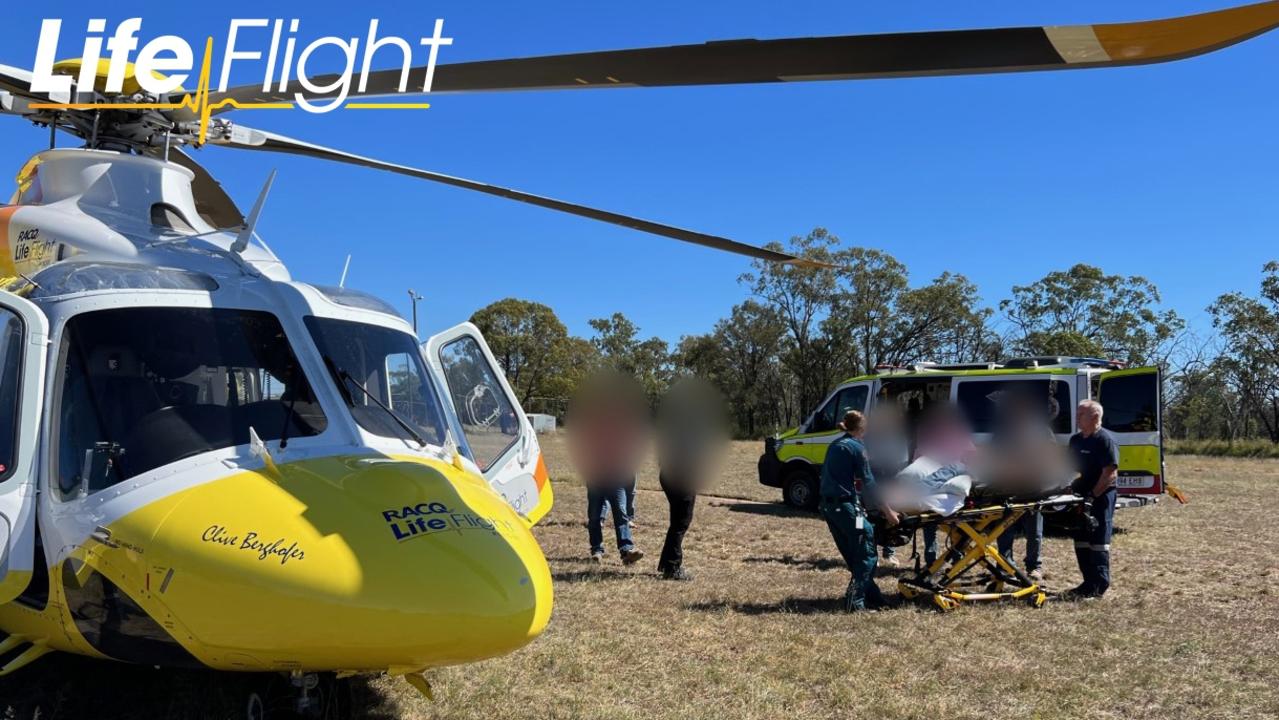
x=24 y=334
x=1131 y=411
x=500 y=436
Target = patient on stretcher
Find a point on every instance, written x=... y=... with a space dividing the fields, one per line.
x=1022 y=461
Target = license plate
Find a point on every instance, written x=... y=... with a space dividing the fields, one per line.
x=1136 y=482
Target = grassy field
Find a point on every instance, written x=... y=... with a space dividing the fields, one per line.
x=1190 y=629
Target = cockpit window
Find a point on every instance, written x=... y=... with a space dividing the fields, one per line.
x=144 y=387
x=381 y=376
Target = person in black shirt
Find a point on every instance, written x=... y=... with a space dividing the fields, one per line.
x=692 y=432
x=1096 y=455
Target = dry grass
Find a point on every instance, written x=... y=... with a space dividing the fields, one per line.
x=1190 y=629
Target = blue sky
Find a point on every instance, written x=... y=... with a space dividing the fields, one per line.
x=1168 y=171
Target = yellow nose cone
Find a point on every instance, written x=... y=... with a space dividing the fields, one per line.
x=347 y=563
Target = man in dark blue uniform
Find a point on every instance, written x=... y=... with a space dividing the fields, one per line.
x=1097 y=456
x=847 y=485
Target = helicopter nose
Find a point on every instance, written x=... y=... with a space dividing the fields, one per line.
x=352 y=563
x=458 y=555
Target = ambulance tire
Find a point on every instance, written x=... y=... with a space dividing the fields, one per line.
x=799 y=488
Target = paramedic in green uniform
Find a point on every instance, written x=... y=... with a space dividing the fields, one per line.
x=847 y=486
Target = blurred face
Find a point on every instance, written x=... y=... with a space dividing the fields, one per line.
x=1087 y=419
x=692 y=433
x=607 y=429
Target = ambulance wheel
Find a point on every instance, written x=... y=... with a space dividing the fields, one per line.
x=800 y=489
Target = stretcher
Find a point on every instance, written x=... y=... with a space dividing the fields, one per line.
x=971 y=534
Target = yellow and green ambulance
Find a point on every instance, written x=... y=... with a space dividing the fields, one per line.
x=1131 y=397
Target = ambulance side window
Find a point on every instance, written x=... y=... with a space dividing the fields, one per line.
x=979 y=401
x=850 y=398
x=11 y=332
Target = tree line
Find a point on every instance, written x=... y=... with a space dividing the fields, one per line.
x=804 y=329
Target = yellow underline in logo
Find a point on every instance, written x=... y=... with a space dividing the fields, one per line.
x=386 y=106
x=160 y=106
x=198 y=102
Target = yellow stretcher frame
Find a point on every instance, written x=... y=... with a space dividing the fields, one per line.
x=973 y=535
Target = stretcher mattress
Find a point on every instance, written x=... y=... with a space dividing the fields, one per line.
x=927 y=486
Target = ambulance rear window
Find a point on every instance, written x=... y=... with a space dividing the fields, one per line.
x=1130 y=403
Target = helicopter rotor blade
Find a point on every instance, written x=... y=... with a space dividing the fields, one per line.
x=15 y=92
x=211 y=199
x=17 y=81
x=250 y=139
x=850 y=57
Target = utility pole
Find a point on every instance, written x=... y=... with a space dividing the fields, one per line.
x=414 y=297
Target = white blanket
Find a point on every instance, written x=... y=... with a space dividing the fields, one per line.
x=909 y=493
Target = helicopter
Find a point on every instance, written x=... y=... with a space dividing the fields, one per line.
x=207 y=463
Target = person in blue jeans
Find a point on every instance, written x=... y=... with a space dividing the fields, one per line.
x=598 y=497
x=1031 y=526
x=1096 y=456
x=608 y=430
x=630 y=504
x=1026 y=460
x=847 y=484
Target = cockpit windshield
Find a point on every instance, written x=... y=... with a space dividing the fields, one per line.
x=144 y=387
x=382 y=378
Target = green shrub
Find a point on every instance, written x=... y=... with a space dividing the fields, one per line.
x=1253 y=448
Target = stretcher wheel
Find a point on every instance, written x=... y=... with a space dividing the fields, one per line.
x=944 y=603
x=1038 y=599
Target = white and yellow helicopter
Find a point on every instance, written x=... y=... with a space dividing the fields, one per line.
x=207 y=463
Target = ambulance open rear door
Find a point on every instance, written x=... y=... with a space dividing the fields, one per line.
x=1132 y=403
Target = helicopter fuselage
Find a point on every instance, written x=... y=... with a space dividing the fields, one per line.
x=239 y=471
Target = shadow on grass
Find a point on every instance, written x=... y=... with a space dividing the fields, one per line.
x=768 y=509
x=794 y=606
x=822 y=564
x=68 y=686
x=833 y=605
x=590 y=576
x=562 y=523
x=791 y=560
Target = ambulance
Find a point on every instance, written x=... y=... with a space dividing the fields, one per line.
x=1131 y=397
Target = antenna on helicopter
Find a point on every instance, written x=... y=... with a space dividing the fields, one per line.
x=242 y=240
x=347 y=266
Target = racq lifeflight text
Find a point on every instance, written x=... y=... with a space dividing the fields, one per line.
x=275 y=48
